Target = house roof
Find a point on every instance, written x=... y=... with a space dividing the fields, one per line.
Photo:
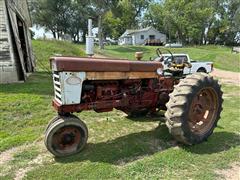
x=128 y=32
x=140 y=30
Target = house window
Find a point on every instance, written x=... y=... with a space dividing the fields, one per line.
x=151 y=37
x=142 y=36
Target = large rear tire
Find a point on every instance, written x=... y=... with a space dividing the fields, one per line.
x=194 y=108
x=66 y=135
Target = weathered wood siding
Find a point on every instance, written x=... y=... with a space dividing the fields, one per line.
x=12 y=61
x=21 y=7
x=4 y=36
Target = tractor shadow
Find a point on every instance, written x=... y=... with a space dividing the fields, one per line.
x=132 y=147
x=124 y=149
x=159 y=116
x=217 y=142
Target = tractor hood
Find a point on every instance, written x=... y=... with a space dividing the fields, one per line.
x=77 y=64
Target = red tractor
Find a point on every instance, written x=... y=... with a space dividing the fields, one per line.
x=193 y=103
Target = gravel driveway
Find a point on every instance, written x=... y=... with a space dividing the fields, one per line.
x=227 y=76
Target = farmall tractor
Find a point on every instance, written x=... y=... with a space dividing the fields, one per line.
x=193 y=103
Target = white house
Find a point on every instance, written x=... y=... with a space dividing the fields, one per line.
x=141 y=36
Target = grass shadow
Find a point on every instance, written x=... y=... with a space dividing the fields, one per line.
x=149 y=118
x=124 y=149
x=135 y=146
x=217 y=142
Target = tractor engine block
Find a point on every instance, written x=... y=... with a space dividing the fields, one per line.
x=126 y=95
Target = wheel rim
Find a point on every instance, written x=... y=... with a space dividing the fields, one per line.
x=203 y=111
x=67 y=139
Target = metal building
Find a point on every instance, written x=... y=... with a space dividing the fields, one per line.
x=16 y=56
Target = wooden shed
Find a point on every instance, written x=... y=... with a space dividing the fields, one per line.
x=16 y=56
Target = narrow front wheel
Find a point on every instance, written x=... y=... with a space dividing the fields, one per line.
x=66 y=136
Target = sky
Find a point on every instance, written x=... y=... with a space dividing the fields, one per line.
x=40 y=31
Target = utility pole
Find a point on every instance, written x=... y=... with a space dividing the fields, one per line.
x=90 y=40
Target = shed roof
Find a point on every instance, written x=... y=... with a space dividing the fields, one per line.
x=132 y=31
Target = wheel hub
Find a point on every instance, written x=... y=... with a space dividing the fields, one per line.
x=66 y=139
x=198 y=109
x=203 y=110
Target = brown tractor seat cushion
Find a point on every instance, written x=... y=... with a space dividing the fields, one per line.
x=102 y=65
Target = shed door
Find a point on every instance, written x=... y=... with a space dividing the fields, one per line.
x=23 y=41
x=14 y=27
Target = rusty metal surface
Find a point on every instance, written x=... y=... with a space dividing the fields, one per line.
x=103 y=96
x=203 y=111
x=66 y=139
x=102 y=65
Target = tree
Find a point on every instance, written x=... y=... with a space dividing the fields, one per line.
x=62 y=17
x=200 y=20
x=131 y=11
x=53 y=15
x=125 y=14
x=195 y=21
x=101 y=7
x=113 y=26
x=231 y=22
x=188 y=21
x=80 y=12
x=155 y=17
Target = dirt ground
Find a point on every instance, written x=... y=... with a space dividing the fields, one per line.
x=232 y=173
x=227 y=76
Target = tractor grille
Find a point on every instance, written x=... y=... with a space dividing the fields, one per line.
x=57 y=87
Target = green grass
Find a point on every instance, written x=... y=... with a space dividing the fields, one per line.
x=21 y=159
x=43 y=50
x=118 y=147
x=221 y=56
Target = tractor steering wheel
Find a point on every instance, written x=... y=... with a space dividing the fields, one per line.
x=160 y=55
